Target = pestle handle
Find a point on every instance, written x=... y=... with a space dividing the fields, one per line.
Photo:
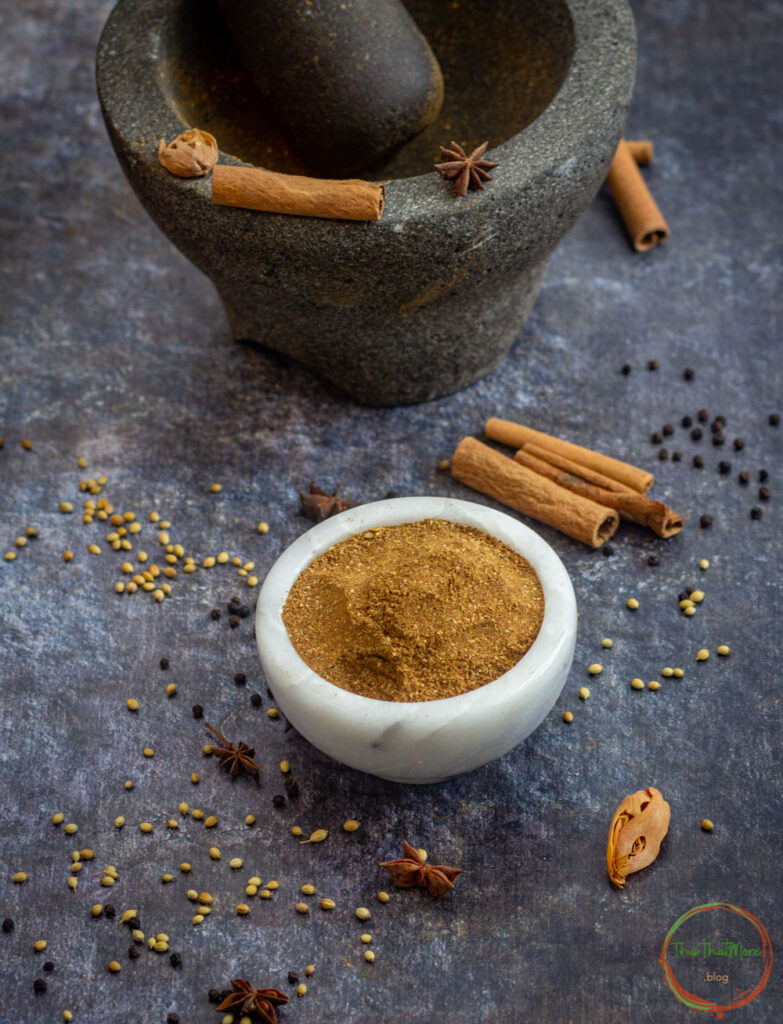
x=347 y=81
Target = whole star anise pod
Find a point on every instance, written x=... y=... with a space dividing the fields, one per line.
x=234 y=757
x=247 y=999
x=465 y=171
x=413 y=869
x=318 y=504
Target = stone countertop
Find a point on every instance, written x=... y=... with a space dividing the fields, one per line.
x=114 y=348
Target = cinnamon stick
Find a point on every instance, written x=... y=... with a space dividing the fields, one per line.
x=255 y=188
x=486 y=470
x=644 y=221
x=517 y=436
x=638 y=507
x=642 y=150
x=561 y=462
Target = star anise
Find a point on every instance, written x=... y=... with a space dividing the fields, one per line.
x=318 y=504
x=234 y=757
x=413 y=869
x=247 y=999
x=465 y=171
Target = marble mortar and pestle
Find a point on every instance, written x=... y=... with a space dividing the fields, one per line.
x=429 y=298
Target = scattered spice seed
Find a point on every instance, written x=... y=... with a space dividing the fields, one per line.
x=148 y=752
x=171 y=689
x=743 y=478
x=19 y=877
x=568 y=716
x=235 y=863
x=185 y=867
x=250 y=819
x=263 y=527
x=755 y=512
x=595 y=669
x=58 y=818
x=366 y=938
x=278 y=801
x=301 y=989
x=606 y=642
x=688 y=373
x=97 y=909
x=724 y=650
x=114 y=966
x=240 y=678
x=295 y=830
x=211 y=821
x=327 y=904
x=302 y=908
x=308 y=889
x=285 y=767
x=704 y=563
x=637 y=684
x=738 y=444
x=702 y=654
x=697 y=596
x=763 y=476
x=351 y=825
x=362 y=913
x=318 y=836
x=653 y=560
x=663 y=454
x=654 y=685
x=625 y=369
x=705 y=522
x=698 y=462
x=242 y=909
x=632 y=603
x=724 y=468
x=676 y=456
x=255 y=700
x=8 y=925
x=132 y=704
x=667 y=673
x=764 y=493
x=167 y=877
x=656 y=438
x=39 y=985
x=369 y=956
x=129 y=784
x=197 y=711
x=71 y=829
x=273 y=713
x=652 y=364
x=39 y=945
x=214 y=853
x=707 y=825
x=584 y=692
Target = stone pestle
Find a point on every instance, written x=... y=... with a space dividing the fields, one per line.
x=347 y=81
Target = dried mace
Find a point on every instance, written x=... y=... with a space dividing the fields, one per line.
x=413 y=869
x=465 y=171
x=247 y=999
x=234 y=757
x=635 y=835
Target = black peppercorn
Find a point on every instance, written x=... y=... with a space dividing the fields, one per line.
x=724 y=468
x=233 y=606
x=652 y=364
x=715 y=427
x=721 y=420
x=133 y=953
x=243 y=611
x=774 y=419
x=39 y=985
x=653 y=560
x=698 y=462
x=164 y=663
x=625 y=369
x=663 y=454
x=703 y=415
x=215 y=614
x=240 y=678
x=175 y=959
x=744 y=478
x=676 y=456
x=718 y=440
x=764 y=493
x=291 y=788
x=688 y=373
x=49 y=966
x=763 y=476
x=391 y=494
x=213 y=996
x=686 y=421
x=8 y=925
x=133 y=922
x=705 y=522
x=233 y=621
x=255 y=700
x=607 y=550
x=173 y=1018
x=293 y=979
x=668 y=430
x=278 y=801
x=738 y=443
x=755 y=512
x=109 y=911
x=656 y=438
x=696 y=434
x=197 y=711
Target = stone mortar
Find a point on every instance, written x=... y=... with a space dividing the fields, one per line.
x=428 y=299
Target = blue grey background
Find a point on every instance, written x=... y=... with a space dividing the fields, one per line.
x=115 y=348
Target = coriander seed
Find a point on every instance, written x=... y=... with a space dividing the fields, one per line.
x=584 y=692
x=568 y=716
x=369 y=956
x=383 y=897
x=595 y=669
x=724 y=650
x=302 y=908
x=327 y=904
x=707 y=825
x=702 y=654
x=632 y=603
x=362 y=913
x=654 y=685
x=351 y=825
x=637 y=684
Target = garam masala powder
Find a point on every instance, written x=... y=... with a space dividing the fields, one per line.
x=415 y=612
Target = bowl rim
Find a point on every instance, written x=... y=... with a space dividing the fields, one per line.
x=274 y=644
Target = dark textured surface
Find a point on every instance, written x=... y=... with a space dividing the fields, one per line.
x=426 y=300
x=114 y=347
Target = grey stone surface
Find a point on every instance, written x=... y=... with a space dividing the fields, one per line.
x=429 y=298
x=115 y=347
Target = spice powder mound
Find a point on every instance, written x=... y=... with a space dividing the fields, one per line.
x=415 y=612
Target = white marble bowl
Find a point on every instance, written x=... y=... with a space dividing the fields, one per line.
x=426 y=741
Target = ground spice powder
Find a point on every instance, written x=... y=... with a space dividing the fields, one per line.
x=415 y=612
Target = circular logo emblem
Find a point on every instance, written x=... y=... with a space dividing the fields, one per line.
x=710 y=963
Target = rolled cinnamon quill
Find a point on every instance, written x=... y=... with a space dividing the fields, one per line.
x=517 y=436
x=643 y=220
x=255 y=188
x=638 y=507
x=590 y=475
x=486 y=470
